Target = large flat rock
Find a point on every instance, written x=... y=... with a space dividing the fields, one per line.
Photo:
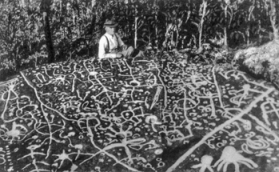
x=139 y=116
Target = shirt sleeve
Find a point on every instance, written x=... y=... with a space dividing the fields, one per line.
x=102 y=47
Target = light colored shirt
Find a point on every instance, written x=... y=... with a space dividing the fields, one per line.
x=107 y=46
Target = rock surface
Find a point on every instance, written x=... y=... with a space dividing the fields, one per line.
x=138 y=116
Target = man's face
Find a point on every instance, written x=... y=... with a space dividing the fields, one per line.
x=110 y=30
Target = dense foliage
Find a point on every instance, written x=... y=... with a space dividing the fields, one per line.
x=33 y=32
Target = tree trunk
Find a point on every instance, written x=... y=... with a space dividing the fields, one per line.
x=225 y=38
x=136 y=32
x=45 y=8
x=156 y=30
x=225 y=28
x=17 y=59
x=273 y=18
x=204 y=6
x=93 y=23
x=51 y=57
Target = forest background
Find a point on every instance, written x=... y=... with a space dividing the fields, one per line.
x=36 y=32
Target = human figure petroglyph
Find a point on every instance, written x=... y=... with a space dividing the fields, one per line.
x=205 y=164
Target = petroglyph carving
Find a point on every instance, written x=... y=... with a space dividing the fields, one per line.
x=205 y=164
x=231 y=156
x=114 y=114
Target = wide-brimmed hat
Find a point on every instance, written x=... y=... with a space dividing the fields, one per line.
x=110 y=23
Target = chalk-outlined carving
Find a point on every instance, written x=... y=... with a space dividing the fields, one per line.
x=231 y=156
x=205 y=164
x=129 y=116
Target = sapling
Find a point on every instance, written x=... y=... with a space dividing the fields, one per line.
x=250 y=16
x=178 y=29
x=225 y=7
x=156 y=23
x=229 y=7
x=136 y=32
x=272 y=16
x=203 y=13
x=138 y=24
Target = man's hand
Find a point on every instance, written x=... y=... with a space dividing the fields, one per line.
x=119 y=55
x=124 y=47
